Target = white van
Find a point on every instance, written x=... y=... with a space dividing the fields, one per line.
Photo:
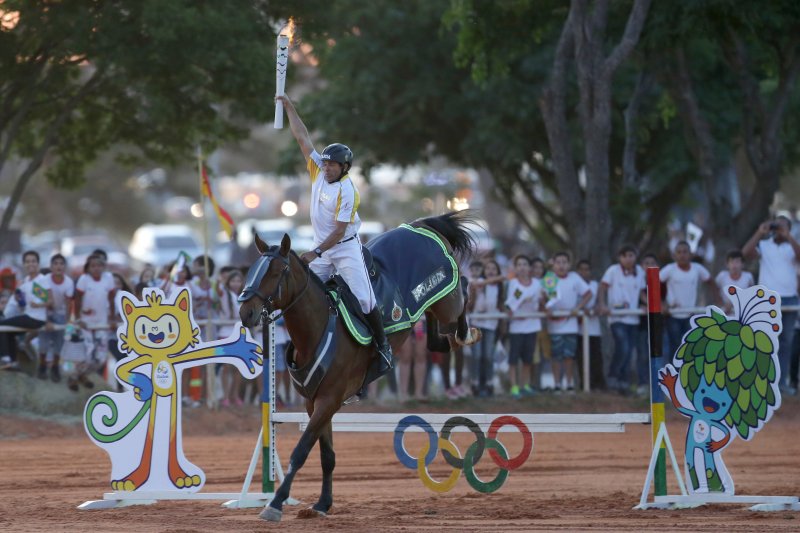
x=160 y=244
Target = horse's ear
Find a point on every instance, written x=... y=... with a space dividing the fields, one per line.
x=286 y=245
x=261 y=246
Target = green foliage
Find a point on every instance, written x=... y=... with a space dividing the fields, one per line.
x=746 y=372
x=153 y=77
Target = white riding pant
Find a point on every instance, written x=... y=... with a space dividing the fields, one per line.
x=346 y=260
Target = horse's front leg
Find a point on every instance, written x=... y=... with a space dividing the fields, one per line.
x=328 y=459
x=466 y=335
x=320 y=418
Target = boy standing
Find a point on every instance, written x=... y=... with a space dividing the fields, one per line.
x=735 y=275
x=571 y=294
x=620 y=289
x=596 y=379
x=62 y=289
x=683 y=279
x=524 y=296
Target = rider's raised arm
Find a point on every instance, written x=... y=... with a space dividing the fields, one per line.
x=299 y=129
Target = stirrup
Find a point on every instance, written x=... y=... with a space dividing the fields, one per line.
x=353 y=399
x=387 y=360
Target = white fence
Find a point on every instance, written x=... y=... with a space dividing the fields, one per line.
x=584 y=325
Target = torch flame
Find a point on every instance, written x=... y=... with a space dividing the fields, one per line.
x=288 y=30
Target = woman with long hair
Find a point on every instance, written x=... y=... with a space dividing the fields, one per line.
x=487 y=295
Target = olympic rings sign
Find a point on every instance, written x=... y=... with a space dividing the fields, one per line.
x=453 y=456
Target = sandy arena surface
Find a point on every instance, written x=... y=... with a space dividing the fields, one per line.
x=571 y=482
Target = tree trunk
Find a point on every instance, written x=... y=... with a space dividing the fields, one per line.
x=595 y=74
x=761 y=125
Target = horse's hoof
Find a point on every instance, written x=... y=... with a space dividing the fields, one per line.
x=310 y=512
x=271 y=514
x=473 y=336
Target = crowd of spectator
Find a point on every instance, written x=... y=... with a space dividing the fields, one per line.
x=519 y=355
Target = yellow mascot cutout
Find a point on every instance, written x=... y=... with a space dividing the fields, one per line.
x=161 y=339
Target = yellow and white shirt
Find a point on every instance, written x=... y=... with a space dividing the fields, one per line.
x=331 y=202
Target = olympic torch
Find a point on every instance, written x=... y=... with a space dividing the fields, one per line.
x=281 y=64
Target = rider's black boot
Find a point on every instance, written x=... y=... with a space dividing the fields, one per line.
x=381 y=343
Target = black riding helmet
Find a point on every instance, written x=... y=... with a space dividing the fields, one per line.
x=340 y=153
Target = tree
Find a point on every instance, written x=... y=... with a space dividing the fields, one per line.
x=732 y=74
x=579 y=131
x=391 y=87
x=155 y=78
x=580 y=54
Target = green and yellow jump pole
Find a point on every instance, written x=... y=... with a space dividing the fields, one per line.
x=655 y=329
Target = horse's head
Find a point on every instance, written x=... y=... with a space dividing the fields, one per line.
x=267 y=285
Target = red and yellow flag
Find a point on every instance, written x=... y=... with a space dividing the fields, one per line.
x=225 y=219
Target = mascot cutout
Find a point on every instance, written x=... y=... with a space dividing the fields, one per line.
x=141 y=428
x=724 y=378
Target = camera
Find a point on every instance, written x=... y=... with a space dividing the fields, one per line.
x=773 y=226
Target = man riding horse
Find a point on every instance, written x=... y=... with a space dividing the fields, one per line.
x=334 y=216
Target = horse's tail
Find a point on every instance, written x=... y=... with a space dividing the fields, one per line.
x=453 y=227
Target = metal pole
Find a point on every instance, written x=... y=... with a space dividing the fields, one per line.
x=585 y=338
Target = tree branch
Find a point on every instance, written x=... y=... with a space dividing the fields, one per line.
x=545 y=233
x=553 y=107
x=547 y=212
x=47 y=142
x=689 y=108
x=630 y=174
x=633 y=29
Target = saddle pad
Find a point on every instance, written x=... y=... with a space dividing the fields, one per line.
x=349 y=310
x=414 y=271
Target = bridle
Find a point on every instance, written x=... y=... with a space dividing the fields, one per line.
x=256 y=275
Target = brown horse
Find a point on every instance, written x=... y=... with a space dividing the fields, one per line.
x=279 y=280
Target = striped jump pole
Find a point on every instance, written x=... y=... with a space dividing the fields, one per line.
x=655 y=329
x=268 y=409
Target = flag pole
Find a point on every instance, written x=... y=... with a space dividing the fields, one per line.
x=211 y=399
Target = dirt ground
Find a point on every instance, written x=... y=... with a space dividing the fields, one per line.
x=571 y=481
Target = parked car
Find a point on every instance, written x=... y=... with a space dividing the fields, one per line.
x=160 y=244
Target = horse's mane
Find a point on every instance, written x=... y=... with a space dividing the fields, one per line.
x=453 y=227
x=311 y=274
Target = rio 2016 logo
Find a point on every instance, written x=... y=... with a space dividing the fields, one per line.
x=453 y=456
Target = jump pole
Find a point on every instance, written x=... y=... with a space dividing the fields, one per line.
x=267 y=406
x=655 y=330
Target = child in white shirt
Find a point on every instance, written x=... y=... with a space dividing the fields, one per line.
x=27 y=308
x=524 y=296
x=735 y=275
x=683 y=279
x=94 y=310
x=620 y=289
x=571 y=294
x=51 y=341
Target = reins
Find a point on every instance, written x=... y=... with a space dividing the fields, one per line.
x=256 y=275
x=267 y=308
